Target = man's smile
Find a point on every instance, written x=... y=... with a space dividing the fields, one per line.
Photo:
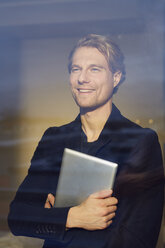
x=85 y=90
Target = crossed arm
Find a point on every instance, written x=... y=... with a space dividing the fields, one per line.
x=95 y=213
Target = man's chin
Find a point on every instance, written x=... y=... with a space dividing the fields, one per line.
x=89 y=107
x=86 y=109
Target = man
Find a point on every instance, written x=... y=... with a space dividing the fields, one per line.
x=131 y=216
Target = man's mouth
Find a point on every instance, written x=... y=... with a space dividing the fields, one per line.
x=85 y=90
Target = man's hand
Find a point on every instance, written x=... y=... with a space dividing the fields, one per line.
x=49 y=201
x=95 y=213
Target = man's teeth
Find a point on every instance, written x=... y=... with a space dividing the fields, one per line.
x=84 y=90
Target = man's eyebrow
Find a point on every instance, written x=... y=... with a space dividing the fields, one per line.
x=97 y=65
x=75 y=66
x=91 y=65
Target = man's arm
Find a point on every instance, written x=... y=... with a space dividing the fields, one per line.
x=138 y=217
x=27 y=216
x=95 y=213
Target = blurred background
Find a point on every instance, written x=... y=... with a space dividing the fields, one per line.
x=36 y=37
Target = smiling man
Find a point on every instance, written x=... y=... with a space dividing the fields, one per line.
x=92 y=84
x=130 y=216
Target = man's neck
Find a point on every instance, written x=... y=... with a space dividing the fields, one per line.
x=93 y=121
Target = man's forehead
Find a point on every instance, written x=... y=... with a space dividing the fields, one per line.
x=88 y=54
x=88 y=49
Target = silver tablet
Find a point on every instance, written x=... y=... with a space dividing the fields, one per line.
x=82 y=175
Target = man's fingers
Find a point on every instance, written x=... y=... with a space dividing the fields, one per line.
x=109 y=223
x=108 y=212
x=47 y=205
x=49 y=201
x=109 y=217
x=111 y=209
x=111 y=201
x=102 y=194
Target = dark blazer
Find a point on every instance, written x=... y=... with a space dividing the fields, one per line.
x=138 y=187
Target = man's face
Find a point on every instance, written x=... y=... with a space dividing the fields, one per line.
x=91 y=80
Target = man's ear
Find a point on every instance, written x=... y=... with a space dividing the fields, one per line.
x=116 y=78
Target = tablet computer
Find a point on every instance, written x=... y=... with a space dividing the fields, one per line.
x=82 y=175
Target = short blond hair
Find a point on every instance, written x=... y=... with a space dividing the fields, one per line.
x=108 y=48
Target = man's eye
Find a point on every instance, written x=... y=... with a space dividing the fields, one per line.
x=75 y=69
x=95 y=69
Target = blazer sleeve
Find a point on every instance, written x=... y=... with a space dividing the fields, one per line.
x=138 y=218
x=27 y=215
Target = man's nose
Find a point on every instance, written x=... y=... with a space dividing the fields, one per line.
x=83 y=77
